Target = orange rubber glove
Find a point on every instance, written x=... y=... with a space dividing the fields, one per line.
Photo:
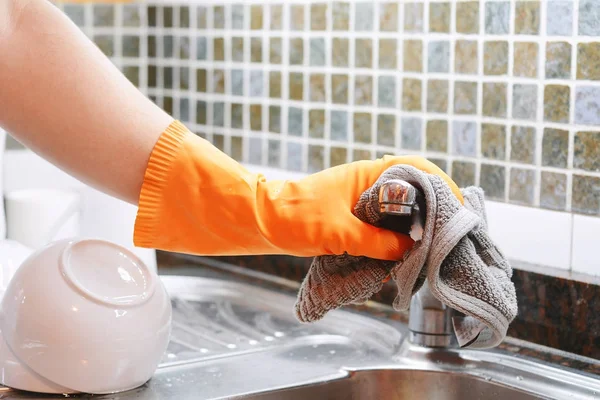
x=197 y=200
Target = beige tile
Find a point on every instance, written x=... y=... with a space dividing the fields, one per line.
x=557 y=103
x=526 y=59
x=339 y=88
x=437 y=96
x=467 y=17
x=466 y=57
x=495 y=58
x=296 y=86
x=317 y=88
x=318 y=17
x=588 y=61
x=411 y=94
x=439 y=17
x=340 y=15
x=363 y=53
x=437 y=136
x=388 y=54
x=413 y=56
x=388 y=20
x=340 y=49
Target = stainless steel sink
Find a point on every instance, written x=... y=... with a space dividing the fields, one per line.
x=236 y=341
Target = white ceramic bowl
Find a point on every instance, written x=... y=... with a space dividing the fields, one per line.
x=12 y=255
x=83 y=315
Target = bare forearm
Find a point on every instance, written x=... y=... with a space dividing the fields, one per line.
x=62 y=98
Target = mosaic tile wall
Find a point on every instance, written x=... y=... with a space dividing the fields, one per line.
x=502 y=94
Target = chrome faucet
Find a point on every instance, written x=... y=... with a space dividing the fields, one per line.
x=430 y=320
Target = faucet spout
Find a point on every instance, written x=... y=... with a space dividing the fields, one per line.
x=430 y=320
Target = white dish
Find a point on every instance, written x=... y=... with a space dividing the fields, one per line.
x=84 y=315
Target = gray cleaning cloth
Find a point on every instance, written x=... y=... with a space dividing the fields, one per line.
x=463 y=267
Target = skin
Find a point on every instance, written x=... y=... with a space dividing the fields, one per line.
x=67 y=102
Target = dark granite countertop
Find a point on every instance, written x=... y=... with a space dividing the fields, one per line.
x=558 y=320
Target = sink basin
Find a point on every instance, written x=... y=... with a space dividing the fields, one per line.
x=400 y=385
x=236 y=341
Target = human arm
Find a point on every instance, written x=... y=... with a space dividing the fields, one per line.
x=62 y=98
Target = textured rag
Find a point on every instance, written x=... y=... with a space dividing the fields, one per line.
x=464 y=268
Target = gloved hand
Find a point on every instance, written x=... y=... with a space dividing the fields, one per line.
x=197 y=200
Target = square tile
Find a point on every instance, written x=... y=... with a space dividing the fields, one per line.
x=169 y=47
x=201 y=80
x=553 y=191
x=256 y=17
x=276 y=17
x=467 y=17
x=388 y=17
x=219 y=142
x=411 y=94
x=465 y=97
x=274 y=153
x=296 y=51
x=438 y=59
x=493 y=141
x=131 y=16
x=463 y=173
x=558 y=60
x=441 y=163
x=364 y=15
x=219 y=114
x=132 y=73
x=317 y=88
x=106 y=44
x=555 y=148
x=588 y=18
x=497 y=17
x=256 y=51
x=201 y=17
x=340 y=18
x=557 y=103
x=168 y=77
x=184 y=78
x=439 y=17
x=527 y=17
x=152 y=46
x=586 y=195
x=317 y=52
x=358 y=155
x=104 y=14
x=386 y=130
x=466 y=57
x=339 y=89
x=316 y=158
x=296 y=86
x=339 y=52
x=559 y=18
x=153 y=74
x=318 y=17
x=525 y=60
x=387 y=91
x=437 y=96
x=255 y=117
x=184 y=17
x=588 y=61
x=587 y=151
x=316 y=124
x=492 y=180
x=219 y=49
x=338 y=156
x=297 y=17
x=587 y=105
x=218 y=81
x=152 y=16
x=495 y=58
x=219 y=17
x=295 y=121
x=76 y=13
x=339 y=126
x=410 y=132
x=363 y=90
x=201 y=47
x=183 y=48
x=522 y=144
x=275 y=50
x=494 y=99
x=294 y=156
x=388 y=54
x=363 y=53
x=237 y=148
x=168 y=17
x=201 y=112
x=522 y=186
x=362 y=127
x=413 y=17
x=413 y=56
x=275 y=119
x=437 y=136
x=525 y=102
x=464 y=138
x=237 y=82
x=237 y=116
x=256 y=83
x=275 y=85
